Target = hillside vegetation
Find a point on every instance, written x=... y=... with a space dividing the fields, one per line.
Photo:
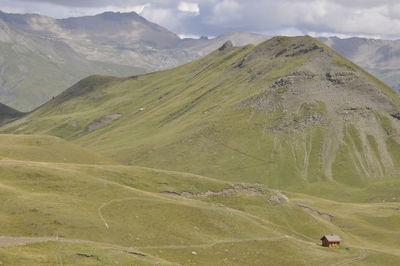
x=289 y=113
x=102 y=213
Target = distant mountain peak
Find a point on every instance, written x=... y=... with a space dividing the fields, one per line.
x=112 y=14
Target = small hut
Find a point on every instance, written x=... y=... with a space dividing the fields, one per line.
x=331 y=241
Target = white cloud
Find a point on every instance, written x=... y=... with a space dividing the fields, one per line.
x=212 y=17
x=225 y=11
x=188 y=36
x=163 y=16
x=13 y=10
x=189 y=7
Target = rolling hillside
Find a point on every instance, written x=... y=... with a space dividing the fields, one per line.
x=289 y=113
x=88 y=210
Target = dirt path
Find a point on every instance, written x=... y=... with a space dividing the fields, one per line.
x=8 y=241
x=99 y=210
x=209 y=245
x=260 y=221
x=362 y=256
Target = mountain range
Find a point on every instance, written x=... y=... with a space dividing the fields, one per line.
x=379 y=57
x=246 y=156
x=63 y=51
x=34 y=68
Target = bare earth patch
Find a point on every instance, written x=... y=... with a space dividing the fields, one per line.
x=103 y=121
x=326 y=216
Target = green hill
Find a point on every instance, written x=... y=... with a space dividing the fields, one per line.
x=46 y=149
x=101 y=213
x=289 y=113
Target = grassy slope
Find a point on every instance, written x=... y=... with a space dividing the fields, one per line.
x=46 y=149
x=206 y=114
x=105 y=211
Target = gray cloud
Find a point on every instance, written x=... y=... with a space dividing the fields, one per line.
x=374 y=18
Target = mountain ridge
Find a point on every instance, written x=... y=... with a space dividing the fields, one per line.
x=141 y=46
x=266 y=148
x=312 y=117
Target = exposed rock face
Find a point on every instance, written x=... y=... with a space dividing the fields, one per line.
x=340 y=78
x=103 y=121
x=326 y=216
x=226 y=46
x=278 y=198
x=293 y=78
x=396 y=115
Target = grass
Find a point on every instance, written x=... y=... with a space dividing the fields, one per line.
x=63 y=253
x=281 y=252
x=46 y=149
x=220 y=118
x=207 y=117
x=105 y=210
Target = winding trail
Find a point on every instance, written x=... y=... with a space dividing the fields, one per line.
x=210 y=245
x=115 y=201
x=362 y=256
x=254 y=218
x=7 y=241
x=10 y=241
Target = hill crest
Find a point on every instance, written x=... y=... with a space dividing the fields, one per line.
x=288 y=113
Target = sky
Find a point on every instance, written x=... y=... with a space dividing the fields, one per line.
x=193 y=18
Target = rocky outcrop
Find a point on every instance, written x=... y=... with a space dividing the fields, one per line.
x=102 y=121
x=226 y=46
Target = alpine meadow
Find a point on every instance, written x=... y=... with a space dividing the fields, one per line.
x=249 y=155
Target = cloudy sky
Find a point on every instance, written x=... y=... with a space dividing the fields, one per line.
x=343 y=18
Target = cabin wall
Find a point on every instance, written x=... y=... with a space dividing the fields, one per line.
x=326 y=243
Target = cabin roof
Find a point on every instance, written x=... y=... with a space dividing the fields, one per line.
x=332 y=238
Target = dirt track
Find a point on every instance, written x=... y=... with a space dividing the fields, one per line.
x=7 y=241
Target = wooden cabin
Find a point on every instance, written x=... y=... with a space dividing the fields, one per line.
x=331 y=241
